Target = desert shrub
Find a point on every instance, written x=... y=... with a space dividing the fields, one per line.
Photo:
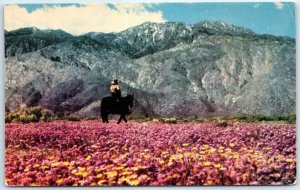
x=35 y=111
x=90 y=118
x=26 y=115
x=60 y=115
x=221 y=123
x=169 y=120
x=46 y=115
x=72 y=118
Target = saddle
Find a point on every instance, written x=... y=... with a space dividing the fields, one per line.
x=116 y=100
x=117 y=97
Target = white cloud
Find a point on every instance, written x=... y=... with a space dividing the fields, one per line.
x=279 y=5
x=83 y=19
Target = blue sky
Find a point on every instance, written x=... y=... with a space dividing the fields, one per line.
x=259 y=17
x=263 y=18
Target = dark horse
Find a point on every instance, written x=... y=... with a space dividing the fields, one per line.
x=109 y=105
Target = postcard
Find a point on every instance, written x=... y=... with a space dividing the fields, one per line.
x=160 y=94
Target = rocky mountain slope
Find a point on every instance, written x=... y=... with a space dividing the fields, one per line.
x=172 y=68
x=26 y=40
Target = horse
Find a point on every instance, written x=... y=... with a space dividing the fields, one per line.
x=110 y=105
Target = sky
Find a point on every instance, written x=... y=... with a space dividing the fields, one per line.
x=263 y=18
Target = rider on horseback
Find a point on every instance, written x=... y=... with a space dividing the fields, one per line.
x=116 y=104
x=115 y=90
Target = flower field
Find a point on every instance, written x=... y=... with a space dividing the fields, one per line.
x=89 y=153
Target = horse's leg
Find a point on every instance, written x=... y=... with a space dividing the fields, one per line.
x=103 y=117
x=124 y=118
x=120 y=119
x=106 y=118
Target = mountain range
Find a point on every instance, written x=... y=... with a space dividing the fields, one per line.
x=173 y=69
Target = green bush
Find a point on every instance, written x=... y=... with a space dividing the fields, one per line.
x=291 y=119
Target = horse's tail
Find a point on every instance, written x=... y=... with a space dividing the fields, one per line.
x=102 y=111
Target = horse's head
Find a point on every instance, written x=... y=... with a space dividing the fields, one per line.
x=130 y=99
x=128 y=102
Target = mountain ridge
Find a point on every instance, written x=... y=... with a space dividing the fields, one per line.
x=173 y=68
x=208 y=27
